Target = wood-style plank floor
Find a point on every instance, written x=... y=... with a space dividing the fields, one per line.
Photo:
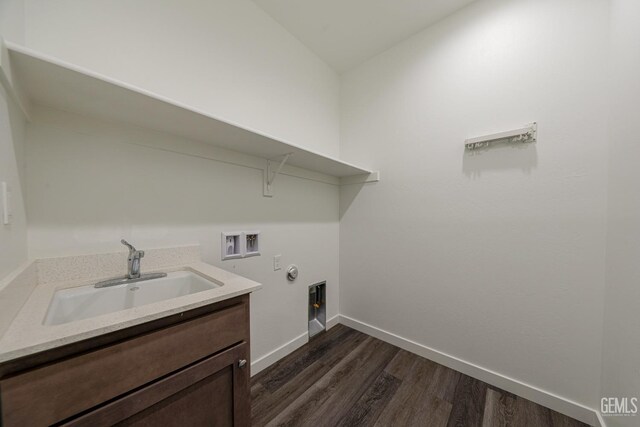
x=346 y=378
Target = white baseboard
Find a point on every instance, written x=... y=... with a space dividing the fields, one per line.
x=333 y=322
x=277 y=354
x=282 y=351
x=542 y=397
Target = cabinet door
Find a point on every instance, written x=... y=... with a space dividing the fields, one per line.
x=212 y=392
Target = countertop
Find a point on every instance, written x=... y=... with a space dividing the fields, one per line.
x=28 y=335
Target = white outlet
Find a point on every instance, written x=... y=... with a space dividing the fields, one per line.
x=276 y=262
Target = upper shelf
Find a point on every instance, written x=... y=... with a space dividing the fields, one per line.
x=54 y=83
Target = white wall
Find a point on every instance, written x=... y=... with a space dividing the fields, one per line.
x=13 y=237
x=12 y=20
x=91 y=184
x=226 y=57
x=620 y=373
x=496 y=259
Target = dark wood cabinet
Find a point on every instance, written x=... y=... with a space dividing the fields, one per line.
x=190 y=369
x=211 y=392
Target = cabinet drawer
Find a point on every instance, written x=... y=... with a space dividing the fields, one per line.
x=62 y=389
x=212 y=392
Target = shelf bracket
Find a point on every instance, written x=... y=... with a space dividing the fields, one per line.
x=270 y=175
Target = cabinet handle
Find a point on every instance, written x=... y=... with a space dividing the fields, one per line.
x=242 y=363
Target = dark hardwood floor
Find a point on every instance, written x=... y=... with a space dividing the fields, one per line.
x=346 y=378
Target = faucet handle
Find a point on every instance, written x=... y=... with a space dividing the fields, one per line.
x=129 y=245
x=140 y=253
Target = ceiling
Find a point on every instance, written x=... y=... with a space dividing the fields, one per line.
x=345 y=33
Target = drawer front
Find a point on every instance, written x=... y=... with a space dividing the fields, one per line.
x=212 y=392
x=57 y=391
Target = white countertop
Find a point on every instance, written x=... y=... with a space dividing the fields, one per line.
x=27 y=333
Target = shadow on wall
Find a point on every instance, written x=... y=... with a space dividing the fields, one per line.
x=348 y=194
x=500 y=156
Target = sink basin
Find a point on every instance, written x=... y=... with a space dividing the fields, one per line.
x=68 y=305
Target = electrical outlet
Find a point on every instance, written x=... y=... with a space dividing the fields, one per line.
x=276 y=263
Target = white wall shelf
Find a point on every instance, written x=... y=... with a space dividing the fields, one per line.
x=33 y=78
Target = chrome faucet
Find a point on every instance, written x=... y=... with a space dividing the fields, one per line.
x=133 y=262
x=133 y=270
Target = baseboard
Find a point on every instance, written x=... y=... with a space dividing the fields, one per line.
x=542 y=397
x=277 y=354
x=282 y=351
x=333 y=322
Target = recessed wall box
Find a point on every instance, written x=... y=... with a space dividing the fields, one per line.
x=252 y=243
x=231 y=245
x=317 y=308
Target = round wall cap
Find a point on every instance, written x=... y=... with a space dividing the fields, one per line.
x=292 y=272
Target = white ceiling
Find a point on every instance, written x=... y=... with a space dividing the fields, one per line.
x=345 y=33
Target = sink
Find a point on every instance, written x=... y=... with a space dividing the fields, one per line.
x=68 y=305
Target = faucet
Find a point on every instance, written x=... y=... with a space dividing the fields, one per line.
x=133 y=271
x=133 y=261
